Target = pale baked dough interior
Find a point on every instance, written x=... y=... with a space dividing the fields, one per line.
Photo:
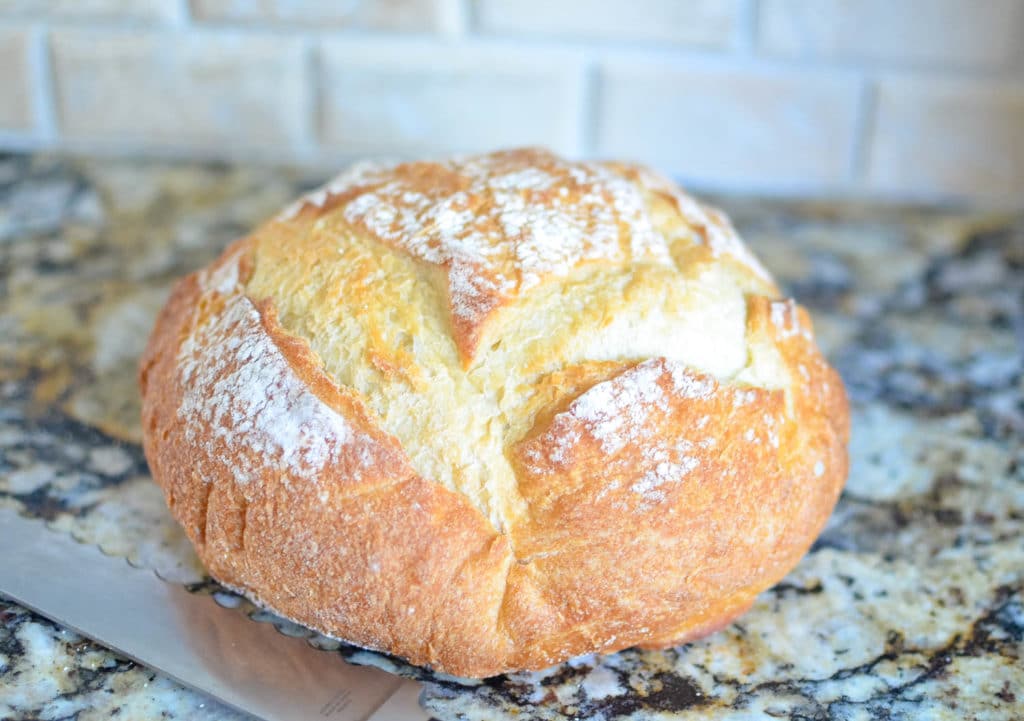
x=382 y=309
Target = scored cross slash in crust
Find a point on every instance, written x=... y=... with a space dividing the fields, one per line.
x=490 y=413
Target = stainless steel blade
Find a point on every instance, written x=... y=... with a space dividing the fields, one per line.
x=218 y=651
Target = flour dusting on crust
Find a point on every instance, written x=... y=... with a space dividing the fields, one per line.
x=353 y=176
x=785 y=318
x=623 y=421
x=224 y=276
x=714 y=227
x=504 y=222
x=239 y=389
x=668 y=468
x=614 y=411
x=501 y=223
x=617 y=413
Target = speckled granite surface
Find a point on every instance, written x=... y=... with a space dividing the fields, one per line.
x=910 y=606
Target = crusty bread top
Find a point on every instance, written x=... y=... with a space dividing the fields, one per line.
x=458 y=298
x=494 y=412
x=498 y=225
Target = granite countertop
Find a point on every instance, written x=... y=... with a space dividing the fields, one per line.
x=910 y=605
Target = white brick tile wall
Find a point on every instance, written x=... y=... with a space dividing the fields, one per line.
x=117 y=10
x=747 y=128
x=706 y=23
x=916 y=98
x=16 y=108
x=971 y=33
x=411 y=15
x=948 y=138
x=168 y=89
x=417 y=97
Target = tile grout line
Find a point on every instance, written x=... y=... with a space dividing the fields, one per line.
x=310 y=146
x=181 y=14
x=44 y=100
x=589 y=120
x=745 y=42
x=739 y=58
x=863 y=131
x=458 y=19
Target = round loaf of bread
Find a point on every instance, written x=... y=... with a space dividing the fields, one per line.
x=490 y=413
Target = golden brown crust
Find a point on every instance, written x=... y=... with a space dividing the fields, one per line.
x=382 y=562
x=729 y=502
x=659 y=500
